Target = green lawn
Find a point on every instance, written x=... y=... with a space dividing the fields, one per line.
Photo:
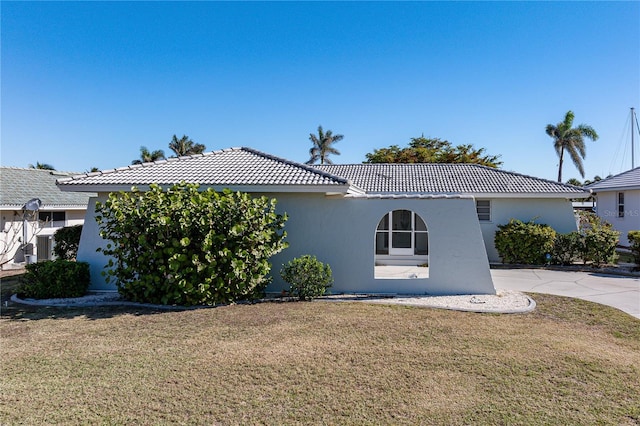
x=568 y=362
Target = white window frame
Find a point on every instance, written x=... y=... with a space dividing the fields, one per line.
x=620 y=200
x=397 y=251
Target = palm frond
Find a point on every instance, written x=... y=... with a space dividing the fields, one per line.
x=576 y=157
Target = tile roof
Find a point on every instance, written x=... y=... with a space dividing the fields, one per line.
x=19 y=185
x=435 y=178
x=226 y=168
x=626 y=180
x=238 y=167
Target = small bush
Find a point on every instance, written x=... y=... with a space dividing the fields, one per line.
x=55 y=279
x=600 y=239
x=567 y=248
x=67 y=242
x=524 y=242
x=634 y=239
x=308 y=277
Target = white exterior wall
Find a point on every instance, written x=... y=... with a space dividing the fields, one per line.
x=341 y=232
x=90 y=240
x=607 y=209
x=557 y=213
x=12 y=222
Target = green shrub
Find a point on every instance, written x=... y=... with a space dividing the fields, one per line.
x=55 y=279
x=189 y=247
x=567 y=248
x=600 y=239
x=634 y=239
x=524 y=242
x=67 y=241
x=308 y=277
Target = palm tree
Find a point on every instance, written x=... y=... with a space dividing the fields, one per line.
x=322 y=146
x=41 y=166
x=185 y=146
x=574 y=182
x=571 y=139
x=147 y=157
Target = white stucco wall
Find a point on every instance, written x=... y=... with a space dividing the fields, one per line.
x=89 y=241
x=11 y=221
x=340 y=231
x=557 y=213
x=607 y=209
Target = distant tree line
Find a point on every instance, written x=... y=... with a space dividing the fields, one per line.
x=433 y=150
x=180 y=147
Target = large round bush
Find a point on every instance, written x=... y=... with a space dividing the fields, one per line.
x=188 y=247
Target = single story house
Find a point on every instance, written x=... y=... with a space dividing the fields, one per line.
x=28 y=235
x=358 y=217
x=618 y=201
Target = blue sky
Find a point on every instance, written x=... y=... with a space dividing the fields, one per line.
x=85 y=84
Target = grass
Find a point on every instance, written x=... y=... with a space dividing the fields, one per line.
x=568 y=362
x=9 y=284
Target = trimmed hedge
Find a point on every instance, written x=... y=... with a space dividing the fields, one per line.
x=567 y=248
x=536 y=244
x=634 y=239
x=599 y=240
x=55 y=279
x=524 y=242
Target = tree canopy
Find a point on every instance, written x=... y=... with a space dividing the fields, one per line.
x=180 y=147
x=433 y=150
x=323 y=146
x=41 y=166
x=570 y=139
x=147 y=156
x=185 y=146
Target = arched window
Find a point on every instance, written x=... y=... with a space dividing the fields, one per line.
x=402 y=233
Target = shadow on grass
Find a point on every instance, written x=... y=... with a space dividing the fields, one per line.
x=20 y=312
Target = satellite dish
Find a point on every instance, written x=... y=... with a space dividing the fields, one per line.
x=33 y=205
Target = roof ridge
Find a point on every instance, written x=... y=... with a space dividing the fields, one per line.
x=306 y=167
x=32 y=169
x=566 y=185
x=616 y=176
x=620 y=176
x=510 y=172
x=146 y=164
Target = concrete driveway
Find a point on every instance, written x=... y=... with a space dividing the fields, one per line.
x=618 y=291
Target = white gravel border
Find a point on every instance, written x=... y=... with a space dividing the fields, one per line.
x=504 y=301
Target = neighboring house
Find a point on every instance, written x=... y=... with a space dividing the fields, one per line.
x=19 y=243
x=618 y=201
x=355 y=217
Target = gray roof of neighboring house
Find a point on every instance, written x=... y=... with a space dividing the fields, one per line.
x=437 y=178
x=19 y=185
x=628 y=180
x=235 y=167
x=255 y=171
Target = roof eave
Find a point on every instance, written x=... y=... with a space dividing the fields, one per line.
x=563 y=195
x=484 y=195
x=616 y=188
x=48 y=207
